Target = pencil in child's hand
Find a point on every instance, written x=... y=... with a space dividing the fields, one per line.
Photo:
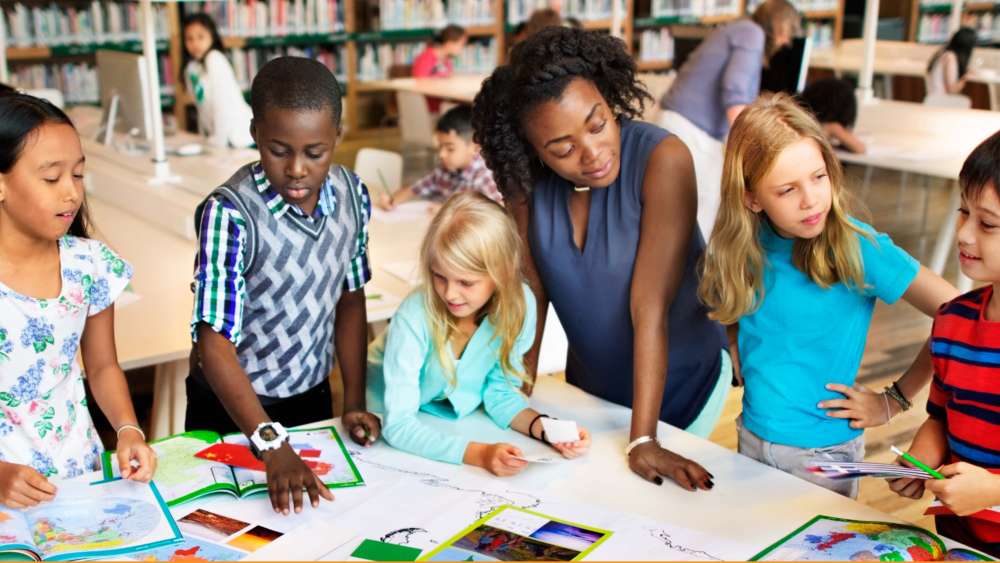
x=915 y=462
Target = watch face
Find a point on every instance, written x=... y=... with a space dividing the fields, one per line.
x=268 y=434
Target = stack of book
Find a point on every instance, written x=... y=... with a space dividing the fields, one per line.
x=98 y=22
x=656 y=45
x=519 y=11
x=478 y=57
x=694 y=8
x=77 y=81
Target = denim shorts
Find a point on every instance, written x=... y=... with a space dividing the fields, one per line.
x=794 y=460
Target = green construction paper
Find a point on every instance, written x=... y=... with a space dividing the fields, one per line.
x=372 y=550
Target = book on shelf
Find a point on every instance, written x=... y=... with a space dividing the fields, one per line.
x=77 y=81
x=375 y=60
x=694 y=8
x=656 y=45
x=933 y=28
x=97 y=22
x=821 y=33
x=247 y=61
x=986 y=25
x=518 y=11
x=802 y=5
x=434 y=14
x=257 y=18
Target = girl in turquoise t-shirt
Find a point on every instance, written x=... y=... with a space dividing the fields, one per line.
x=795 y=278
x=458 y=340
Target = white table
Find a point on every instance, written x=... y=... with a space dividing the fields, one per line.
x=953 y=133
x=751 y=502
x=457 y=87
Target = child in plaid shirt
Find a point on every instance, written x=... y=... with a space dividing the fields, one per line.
x=459 y=167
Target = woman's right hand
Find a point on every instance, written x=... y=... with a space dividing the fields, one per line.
x=498 y=459
x=651 y=461
x=22 y=486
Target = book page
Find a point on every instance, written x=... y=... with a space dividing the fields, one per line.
x=14 y=534
x=333 y=465
x=118 y=517
x=833 y=539
x=179 y=475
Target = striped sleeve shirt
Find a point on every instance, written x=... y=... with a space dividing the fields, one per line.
x=219 y=285
x=965 y=349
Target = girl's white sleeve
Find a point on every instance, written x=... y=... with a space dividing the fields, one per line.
x=223 y=85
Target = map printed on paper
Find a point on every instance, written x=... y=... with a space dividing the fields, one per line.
x=422 y=504
x=180 y=475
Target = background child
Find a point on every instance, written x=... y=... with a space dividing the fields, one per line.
x=835 y=106
x=800 y=277
x=208 y=75
x=946 y=73
x=436 y=59
x=963 y=429
x=459 y=167
x=57 y=290
x=279 y=282
x=458 y=342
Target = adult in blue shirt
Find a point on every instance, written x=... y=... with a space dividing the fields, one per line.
x=606 y=209
x=719 y=78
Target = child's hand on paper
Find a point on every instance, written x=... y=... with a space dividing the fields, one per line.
x=22 y=486
x=132 y=447
x=570 y=450
x=967 y=489
x=363 y=427
x=498 y=459
x=288 y=474
x=386 y=202
x=863 y=406
x=905 y=486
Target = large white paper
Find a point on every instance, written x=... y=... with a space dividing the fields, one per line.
x=416 y=210
x=307 y=542
x=558 y=431
x=407 y=271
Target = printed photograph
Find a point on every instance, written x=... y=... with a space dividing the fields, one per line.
x=209 y=525
x=508 y=546
x=567 y=535
x=255 y=538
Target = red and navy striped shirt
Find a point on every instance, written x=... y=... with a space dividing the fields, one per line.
x=965 y=348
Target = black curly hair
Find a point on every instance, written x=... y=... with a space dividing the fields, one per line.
x=540 y=68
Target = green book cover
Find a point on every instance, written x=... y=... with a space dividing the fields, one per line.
x=181 y=476
x=825 y=538
x=514 y=534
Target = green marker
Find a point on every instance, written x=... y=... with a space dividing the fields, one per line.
x=374 y=296
x=361 y=421
x=916 y=463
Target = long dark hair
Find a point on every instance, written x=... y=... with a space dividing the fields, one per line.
x=961 y=44
x=206 y=21
x=20 y=116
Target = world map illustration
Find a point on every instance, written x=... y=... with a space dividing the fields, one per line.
x=106 y=523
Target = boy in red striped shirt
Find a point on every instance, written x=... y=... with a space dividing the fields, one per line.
x=962 y=433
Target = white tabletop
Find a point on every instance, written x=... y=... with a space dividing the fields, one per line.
x=457 y=87
x=751 y=502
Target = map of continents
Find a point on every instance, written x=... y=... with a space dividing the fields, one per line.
x=107 y=523
x=834 y=540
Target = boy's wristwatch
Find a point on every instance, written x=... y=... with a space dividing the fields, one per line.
x=268 y=436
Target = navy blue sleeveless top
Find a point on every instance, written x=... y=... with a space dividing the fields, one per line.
x=591 y=290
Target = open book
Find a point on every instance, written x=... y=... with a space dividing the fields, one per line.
x=834 y=539
x=99 y=521
x=181 y=477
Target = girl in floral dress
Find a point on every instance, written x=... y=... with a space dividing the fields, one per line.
x=56 y=293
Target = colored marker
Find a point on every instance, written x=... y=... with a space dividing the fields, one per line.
x=915 y=462
x=361 y=421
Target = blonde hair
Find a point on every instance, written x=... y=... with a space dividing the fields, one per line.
x=771 y=14
x=732 y=279
x=474 y=234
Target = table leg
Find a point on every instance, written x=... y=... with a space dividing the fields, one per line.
x=946 y=236
x=992 y=87
x=169 y=399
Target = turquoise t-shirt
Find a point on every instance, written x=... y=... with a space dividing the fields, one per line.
x=803 y=337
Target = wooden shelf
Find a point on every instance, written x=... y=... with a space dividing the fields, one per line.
x=596 y=24
x=979 y=7
x=721 y=18
x=821 y=14
x=654 y=65
x=24 y=53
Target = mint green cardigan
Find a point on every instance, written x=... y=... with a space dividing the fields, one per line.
x=405 y=376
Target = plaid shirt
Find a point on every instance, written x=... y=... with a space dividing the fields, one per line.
x=219 y=283
x=442 y=183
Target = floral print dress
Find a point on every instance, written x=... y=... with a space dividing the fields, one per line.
x=44 y=421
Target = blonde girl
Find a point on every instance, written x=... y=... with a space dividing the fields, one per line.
x=795 y=277
x=457 y=342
